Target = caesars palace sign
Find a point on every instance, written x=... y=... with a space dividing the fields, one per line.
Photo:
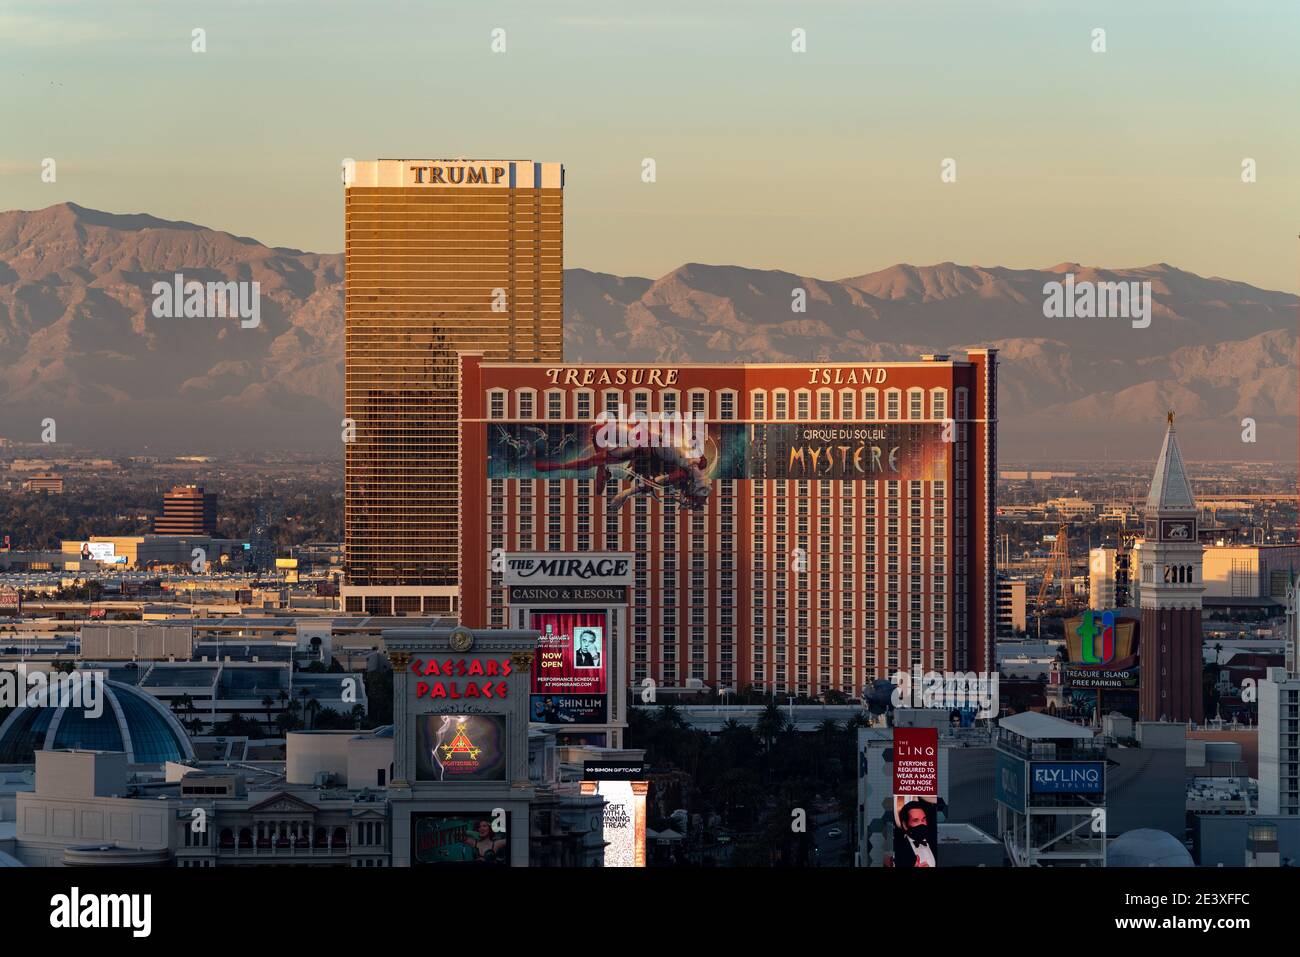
x=820 y=375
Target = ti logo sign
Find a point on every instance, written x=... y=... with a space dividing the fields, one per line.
x=1098 y=645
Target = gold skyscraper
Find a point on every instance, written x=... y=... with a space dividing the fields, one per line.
x=441 y=256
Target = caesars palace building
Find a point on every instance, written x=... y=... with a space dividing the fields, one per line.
x=798 y=528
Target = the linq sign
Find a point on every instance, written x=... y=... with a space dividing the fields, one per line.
x=1076 y=777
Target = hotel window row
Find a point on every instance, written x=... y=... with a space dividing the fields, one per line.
x=865 y=405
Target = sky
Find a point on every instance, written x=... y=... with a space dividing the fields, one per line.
x=826 y=162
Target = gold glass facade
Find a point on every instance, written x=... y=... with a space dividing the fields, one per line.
x=433 y=268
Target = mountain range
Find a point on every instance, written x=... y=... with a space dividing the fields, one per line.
x=79 y=343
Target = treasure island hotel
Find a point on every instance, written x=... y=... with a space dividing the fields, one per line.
x=846 y=533
x=847 y=529
x=442 y=256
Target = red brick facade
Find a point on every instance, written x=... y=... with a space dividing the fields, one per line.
x=792 y=585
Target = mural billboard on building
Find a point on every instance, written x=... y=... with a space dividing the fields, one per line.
x=681 y=463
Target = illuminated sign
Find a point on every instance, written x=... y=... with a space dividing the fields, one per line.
x=1102 y=649
x=452 y=747
x=916 y=761
x=455 y=678
x=612 y=376
x=568 y=595
x=569 y=669
x=1067 y=777
x=468 y=837
x=622 y=820
x=570 y=570
x=817 y=375
x=852 y=376
x=1097 y=638
x=916 y=831
x=613 y=770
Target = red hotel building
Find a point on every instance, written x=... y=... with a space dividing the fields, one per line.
x=847 y=533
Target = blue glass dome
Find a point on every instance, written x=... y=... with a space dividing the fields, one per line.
x=131 y=721
x=1147 y=847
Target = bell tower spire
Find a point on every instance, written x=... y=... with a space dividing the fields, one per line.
x=1170 y=559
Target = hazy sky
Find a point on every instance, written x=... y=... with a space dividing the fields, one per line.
x=826 y=163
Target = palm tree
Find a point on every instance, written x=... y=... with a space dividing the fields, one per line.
x=312 y=708
x=183 y=703
x=267 y=704
x=828 y=728
x=770 y=723
x=671 y=716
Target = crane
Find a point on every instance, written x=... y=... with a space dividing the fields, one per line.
x=1058 y=566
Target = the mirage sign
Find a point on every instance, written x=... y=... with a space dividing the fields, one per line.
x=557 y=568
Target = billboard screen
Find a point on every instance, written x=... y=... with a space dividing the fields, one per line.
x=1067 y=777
x=915 y=798
x=468 y=837
x=916 y=832
x=105 y=552
x=569 y=669
x=1103 y=651
x=623 y=823
x=672 y=468
x=916 y=761
x=460 y=747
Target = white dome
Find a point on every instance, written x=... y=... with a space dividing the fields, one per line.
x=1147 y=847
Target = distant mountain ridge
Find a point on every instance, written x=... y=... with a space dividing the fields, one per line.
x=78 y=341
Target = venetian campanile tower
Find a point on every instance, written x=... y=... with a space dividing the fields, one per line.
x=1171 y=587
